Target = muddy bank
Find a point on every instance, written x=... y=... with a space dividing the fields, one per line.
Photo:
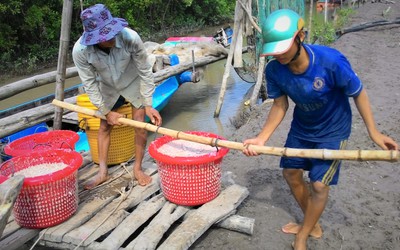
x=363 y=211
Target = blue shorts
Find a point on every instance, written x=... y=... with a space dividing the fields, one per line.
x=325 y=171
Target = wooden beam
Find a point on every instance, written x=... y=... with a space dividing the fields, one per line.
x=62 y=59
x=236 y=27
x=28 y=118
x=204 y=217
x=9 y=191
x=15 y=88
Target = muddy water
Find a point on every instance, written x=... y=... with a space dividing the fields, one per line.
x=192 y=107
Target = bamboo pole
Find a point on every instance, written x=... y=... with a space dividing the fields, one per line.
x=325 y=154
x=310 y=21
x=17 y=87
x=62 y=59
x=236 y=27
x=260 y=78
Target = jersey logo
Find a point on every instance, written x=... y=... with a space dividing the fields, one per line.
x=318 y=83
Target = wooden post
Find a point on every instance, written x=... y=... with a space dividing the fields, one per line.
x=236 y=27
x=260 y=77
x=310 y=22
x=62 y=60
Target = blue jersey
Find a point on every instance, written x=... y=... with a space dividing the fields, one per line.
x=321 y=94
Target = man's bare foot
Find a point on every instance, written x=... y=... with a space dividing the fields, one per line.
x=299 y=245
x=294 y=228
x=98 y=179
x=142 y=178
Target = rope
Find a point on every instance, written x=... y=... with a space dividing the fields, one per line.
x=216 y=144
x=38 y=239
x=156 y=132
x=124 y=196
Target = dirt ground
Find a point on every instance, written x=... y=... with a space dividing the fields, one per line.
x=363 y=211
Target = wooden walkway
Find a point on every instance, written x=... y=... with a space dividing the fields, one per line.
x=122 y=215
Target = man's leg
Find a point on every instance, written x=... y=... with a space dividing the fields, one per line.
x=140 y=147
x=300 y=191
x=315 y=207
x=103 y=144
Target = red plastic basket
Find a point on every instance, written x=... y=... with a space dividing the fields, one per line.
x=189 y=181
x=45 y=200
x=50 y=140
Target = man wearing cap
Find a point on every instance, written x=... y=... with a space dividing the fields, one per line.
x=112 y=64
x=319 y=80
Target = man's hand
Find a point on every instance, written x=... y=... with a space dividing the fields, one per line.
x=112 y=118
x=154 y=115
x=383 y=141
x=254 y=141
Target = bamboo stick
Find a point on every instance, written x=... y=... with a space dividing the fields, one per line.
x=62 y=59
x=325 y=154
x=228 y=65
x=260 y=78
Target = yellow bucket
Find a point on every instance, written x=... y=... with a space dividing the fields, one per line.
x=122 y=145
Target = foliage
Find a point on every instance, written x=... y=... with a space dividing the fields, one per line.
x=30 y=30
x=325 y=33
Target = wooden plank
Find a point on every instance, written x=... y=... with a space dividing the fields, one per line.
x=132 y=222
x=114 y=172
x=108 y=217
x=205 y=216
x=238 y=223
x=153 y=233
x=90 y=206
x=118 y=178
x=232 y=222
x=85 y=212
x=10 y=228
x=9 y=191
x=73 y=91
x=19 y=238
x=28 y=118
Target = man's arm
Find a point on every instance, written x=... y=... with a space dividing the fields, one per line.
x=139 y=57
x=274 y=118
x=88 y=77
x=364 y=108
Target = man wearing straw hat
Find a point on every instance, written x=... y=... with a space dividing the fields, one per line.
x=319 y=80
x=112 y=64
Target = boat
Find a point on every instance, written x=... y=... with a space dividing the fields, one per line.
x=163 y=93
x=222 y=36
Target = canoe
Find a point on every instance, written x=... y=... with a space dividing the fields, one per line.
x=222 y=36
x=163 y=93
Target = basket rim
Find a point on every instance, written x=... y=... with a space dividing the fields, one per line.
x=43 y=179
x=72 y=138
x=222 y=151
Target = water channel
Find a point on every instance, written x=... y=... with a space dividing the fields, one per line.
x=191 y=108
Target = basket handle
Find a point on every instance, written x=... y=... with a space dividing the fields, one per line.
x=41 y=144
x=69 y=145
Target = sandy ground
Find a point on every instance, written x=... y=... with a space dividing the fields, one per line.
x=363 y=211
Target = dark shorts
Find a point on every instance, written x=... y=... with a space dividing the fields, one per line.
x=121 y=101
x=325 y=171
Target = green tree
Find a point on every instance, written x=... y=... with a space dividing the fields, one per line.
x=30 y=29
